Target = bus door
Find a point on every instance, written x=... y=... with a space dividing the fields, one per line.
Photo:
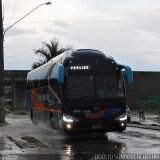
x=55 y=107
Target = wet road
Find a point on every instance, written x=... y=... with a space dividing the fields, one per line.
x=133 y=141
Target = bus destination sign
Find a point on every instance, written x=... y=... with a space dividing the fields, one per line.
x=80 y=67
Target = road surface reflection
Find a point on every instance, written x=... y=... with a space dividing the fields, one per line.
x=91 y=147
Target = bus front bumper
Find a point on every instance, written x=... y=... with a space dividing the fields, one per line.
x=98 y=126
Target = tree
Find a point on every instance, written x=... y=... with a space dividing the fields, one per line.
x=49 y=51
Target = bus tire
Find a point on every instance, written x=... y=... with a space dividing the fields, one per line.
x=50 y=119
x=102 y=133
x=31 y=115
x=120 y=130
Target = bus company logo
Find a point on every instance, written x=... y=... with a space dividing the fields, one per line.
x=84 y=67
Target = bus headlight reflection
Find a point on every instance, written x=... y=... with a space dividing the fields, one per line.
x=69 y=150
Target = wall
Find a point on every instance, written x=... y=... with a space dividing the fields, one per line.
x=146 y=89
x=15 y=84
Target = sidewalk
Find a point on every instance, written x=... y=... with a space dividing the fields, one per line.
x=151 y=121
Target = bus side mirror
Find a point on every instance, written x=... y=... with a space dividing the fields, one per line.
x=60 y=73
x=129 y=73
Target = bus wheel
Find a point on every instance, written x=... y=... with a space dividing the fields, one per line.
x=120 y=130
x=51 y=119
x=102 y=133
x=31 y=115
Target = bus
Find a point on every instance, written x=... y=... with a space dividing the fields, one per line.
x=80 y=91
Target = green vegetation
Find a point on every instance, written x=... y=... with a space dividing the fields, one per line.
x=49 y=51
x=2 y=114
x=156 y=111
x=34 y=141
x=27 y=142
x=3 y=124
x=18 y=111
x=152 y=110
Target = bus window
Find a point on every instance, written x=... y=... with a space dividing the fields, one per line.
x=56 y=87
x=48 y=97
x=79 y=86
x=107 y=86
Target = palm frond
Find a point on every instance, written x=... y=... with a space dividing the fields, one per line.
x=48 y=51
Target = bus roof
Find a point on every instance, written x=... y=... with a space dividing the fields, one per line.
x=44 y=71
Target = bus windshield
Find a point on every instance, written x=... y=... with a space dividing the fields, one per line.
x=97 y=86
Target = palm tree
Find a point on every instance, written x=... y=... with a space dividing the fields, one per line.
x=49 y=51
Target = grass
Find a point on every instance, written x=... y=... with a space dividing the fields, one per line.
x=29 y=142
x=34 y=141
x=15 y=141
x=18 y=111
x=3 y=124
x=154 y=110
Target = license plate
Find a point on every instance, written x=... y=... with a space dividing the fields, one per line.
x=97 y=126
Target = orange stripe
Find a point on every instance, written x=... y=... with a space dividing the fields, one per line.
x=38 y=105
x=96 y=115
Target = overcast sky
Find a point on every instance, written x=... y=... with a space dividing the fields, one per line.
x=127 y=30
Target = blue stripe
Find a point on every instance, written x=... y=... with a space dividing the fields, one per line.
x=60 y=73
x=28 y=99
x=129 y=73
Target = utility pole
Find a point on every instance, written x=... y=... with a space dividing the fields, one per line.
x=2 y=115
x=2 y=100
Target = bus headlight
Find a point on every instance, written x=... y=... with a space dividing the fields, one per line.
x=69 y=126
x=122 y=117
x=70 y=119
